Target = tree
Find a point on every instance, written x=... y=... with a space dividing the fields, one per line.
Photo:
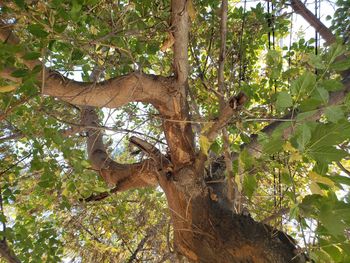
x=244 y=135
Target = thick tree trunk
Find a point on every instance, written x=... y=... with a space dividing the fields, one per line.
x=206 y=231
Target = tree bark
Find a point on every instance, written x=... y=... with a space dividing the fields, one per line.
x=206 y=231
x=7 y=253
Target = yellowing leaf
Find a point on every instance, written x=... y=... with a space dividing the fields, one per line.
x=315 y=189
x=65 y=192
x=168 y=43
x=93 y=30
x=206 y=127
x=191 y=10
x=7 y=88
x=295 y=157
x=204 y=144
x=315 y=177
x=288 y=147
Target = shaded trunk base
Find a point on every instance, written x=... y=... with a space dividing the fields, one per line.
x=204 y=231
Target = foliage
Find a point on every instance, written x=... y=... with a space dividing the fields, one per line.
x=45 y=175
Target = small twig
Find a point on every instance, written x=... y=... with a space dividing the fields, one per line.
x=15 y=164
x=339 y=164
x=279 y=213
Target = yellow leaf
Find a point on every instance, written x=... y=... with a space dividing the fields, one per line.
x=295 y=157
x=100 y=62
x=93 y=30
x=315 y=177
x=206 y=127
x=204 y=144
x=7 y=88
x=294 y=154
x=288 y=147
x=65 y=192
x=191 y=10
x=168 y=43
x=315 y=189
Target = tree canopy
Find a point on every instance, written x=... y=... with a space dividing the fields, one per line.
x=174 y=131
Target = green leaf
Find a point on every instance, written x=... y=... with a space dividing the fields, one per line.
x=329 y=134
x=77 y=54
x=334 y=252
x=100 y=189
x=341 y=65
x=316 y=61
x=303 y=134
x=31 y=56
x=340 y=179
x=249 y=185
x=335 y=50
x=284 y=100
x=20 y=3
x=37 y=30
x=59 y=28
x=331 y=220
x=294 y=211
x=321 y=94
x=20 y=73
x=320 y=256
x=334 y=113
x=246 y=159
x=327 y=154
x=304 y=84
x=304 y=115
x=273 y=145
x=215 y=147
x=331 y=84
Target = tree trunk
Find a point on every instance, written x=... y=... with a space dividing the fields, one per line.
x=207 y=231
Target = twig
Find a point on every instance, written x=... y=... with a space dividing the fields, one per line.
x=339 y=164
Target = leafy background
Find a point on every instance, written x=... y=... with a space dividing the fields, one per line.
x=302 y=178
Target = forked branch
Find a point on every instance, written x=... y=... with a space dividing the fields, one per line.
x=122 y=176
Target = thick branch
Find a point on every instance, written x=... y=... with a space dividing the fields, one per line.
x=223 y=32
x=324 y=31
x=123 y=176
x=151 y=151
x=113 y=93
x=177 y=129
x=180 y=25
x=7 y=253
x=221 y=83
x=335 y=98
x=166 y=94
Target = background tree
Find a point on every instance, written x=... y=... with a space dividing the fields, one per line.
x=219 y=141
